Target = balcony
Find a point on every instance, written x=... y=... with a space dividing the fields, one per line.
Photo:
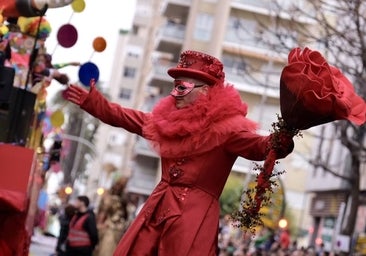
x=171 y=37
x=255 y=83
x=176 y=8
x=142 y=147
x=282 y=7
x=238 y=37
x=159 y=76
x=143 y=180
x=258 y=3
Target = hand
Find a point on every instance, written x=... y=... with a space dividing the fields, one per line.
x=283 y=143
x=77 y=94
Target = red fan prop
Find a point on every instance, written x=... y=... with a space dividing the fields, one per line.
x=312 y=92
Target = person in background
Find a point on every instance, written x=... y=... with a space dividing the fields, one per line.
x=199 y=130
x=112 y=218
x=285 y=239
x=82 y=237
x=65 y=219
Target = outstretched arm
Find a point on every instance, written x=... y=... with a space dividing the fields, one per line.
x=110 y=113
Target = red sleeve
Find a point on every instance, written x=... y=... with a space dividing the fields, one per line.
x=248 y=145
x=255 y=147
x=113 y=113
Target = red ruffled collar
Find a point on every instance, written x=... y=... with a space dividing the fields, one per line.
x=199 y=127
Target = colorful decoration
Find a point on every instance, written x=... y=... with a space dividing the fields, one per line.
x=87 y=72
x=29 y=26
x=67 y=35
x=99 y=44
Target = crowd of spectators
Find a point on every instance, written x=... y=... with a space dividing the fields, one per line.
x=265 y=242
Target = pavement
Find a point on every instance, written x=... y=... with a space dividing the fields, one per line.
x=42 y=245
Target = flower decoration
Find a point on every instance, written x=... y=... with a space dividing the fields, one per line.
x=312 y=92
x=215 y=69
x=317 y=90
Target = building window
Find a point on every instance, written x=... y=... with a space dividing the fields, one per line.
x=134 y=51
x=125 y=93
x=203 y=28
x=235 y=65
x=135 y=30
x=129 y=72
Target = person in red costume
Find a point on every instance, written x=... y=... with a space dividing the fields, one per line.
x=199 y=131
x=29 y=8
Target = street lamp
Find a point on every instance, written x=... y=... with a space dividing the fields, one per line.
x=282 y=223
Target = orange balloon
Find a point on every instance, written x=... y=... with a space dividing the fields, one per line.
x=99 y=44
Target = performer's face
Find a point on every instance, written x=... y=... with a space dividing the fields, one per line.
x=186 y=90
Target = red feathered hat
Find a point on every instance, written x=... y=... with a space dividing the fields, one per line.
x=200 y=66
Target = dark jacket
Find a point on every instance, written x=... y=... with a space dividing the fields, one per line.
x=64 y=230
x=90 y=227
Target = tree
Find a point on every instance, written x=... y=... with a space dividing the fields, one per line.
x=338 y=30
x=79 y=125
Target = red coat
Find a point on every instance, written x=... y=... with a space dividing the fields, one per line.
x=181 y=215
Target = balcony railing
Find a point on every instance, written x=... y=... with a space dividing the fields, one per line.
x=173 y=30
x=160 y=68
x=258 y=3
x=143 y=147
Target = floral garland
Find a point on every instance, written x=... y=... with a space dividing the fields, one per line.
x=249 y=217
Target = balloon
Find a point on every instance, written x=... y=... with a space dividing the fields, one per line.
x=57 y=118
x=67 y=35
x=78 y=5
x=87 y=72
x=99 y=44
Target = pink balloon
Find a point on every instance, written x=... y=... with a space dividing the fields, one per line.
x=67 y=35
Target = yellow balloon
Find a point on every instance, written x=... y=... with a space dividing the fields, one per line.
x=78 y=5
x=57 y=118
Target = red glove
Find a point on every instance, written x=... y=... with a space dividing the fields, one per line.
x=77 y=94
x=282 y=143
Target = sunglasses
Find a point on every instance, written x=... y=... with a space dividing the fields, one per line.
x=182 y=88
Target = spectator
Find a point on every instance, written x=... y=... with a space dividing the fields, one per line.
x=65 y=219
x=83 y=234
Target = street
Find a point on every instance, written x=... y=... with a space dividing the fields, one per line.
x=42 y=245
